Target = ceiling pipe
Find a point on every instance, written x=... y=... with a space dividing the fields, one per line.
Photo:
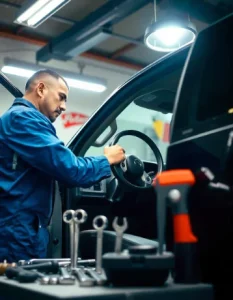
x=126 y=48
x=198 y=9
x=42 y=42
x=71 y=23
x=71 y=41
x=201 y=10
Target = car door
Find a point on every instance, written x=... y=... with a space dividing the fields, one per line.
x=94 y=200
x=7 y=85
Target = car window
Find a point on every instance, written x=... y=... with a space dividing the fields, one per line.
x=154 y=124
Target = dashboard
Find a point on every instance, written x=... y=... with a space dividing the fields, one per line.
x=99 y=189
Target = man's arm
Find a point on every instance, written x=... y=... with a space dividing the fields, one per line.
x=34 y=140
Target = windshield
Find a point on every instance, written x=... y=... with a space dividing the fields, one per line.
x=149 y=110
x=153 y=123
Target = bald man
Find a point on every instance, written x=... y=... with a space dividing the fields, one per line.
x=31 y=157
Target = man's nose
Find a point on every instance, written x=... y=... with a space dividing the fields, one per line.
x=63 y=106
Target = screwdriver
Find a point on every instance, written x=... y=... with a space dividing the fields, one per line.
x=22 y=275
x=60 y=261
x=47 y=267
x=28 y=274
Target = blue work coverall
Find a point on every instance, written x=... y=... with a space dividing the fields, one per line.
x=31 y=157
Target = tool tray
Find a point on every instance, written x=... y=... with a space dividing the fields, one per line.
x=36 y=291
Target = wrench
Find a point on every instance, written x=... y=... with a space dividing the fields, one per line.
x=66 y=278
x=99 y=223
x=68 y=217
x=53 y=280
x=80 y=216
x=83 y=278
x=74 y=218
x=45 y=280
x=100 y=279
x=120 y=229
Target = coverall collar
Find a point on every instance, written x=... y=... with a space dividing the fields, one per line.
x=24 y=102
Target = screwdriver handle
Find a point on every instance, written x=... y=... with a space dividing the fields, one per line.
x=28 y=276
x=22 y=275
x=12 y=272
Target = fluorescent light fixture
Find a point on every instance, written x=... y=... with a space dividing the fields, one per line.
x=84 y=85
x=169 y=35
x=17 y=71
x=33 y=13
x=79 y=81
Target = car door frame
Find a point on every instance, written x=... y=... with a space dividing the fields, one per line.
x=108 y=111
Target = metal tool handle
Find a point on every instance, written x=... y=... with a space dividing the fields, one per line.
x=83 y=278
x=60 y=261
x=118 y=243
x=64 y=272
x=68 y=217
x=120 y=229
x=99 y=223
x=100 y=279
x=66 y=278
x=44 y=280
x=50 y=266
x=80 y=216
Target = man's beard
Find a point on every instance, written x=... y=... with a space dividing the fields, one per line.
x=53 y=119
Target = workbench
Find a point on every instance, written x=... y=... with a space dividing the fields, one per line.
x=36 y=291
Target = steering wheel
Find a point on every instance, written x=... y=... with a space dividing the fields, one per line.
x=131 y=171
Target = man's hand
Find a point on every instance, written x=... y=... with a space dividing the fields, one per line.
x=115 y=154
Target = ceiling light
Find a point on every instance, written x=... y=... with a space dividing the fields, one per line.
x=75 y=80
x=17 y=71
x=33 y=13
x=169 y=35
x=171 y=32
x=84 y=85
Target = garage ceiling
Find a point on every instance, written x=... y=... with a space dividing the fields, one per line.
x=120 y=23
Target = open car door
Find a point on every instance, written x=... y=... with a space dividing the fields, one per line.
x=9 y=86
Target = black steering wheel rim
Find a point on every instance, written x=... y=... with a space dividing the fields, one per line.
x=116 y=168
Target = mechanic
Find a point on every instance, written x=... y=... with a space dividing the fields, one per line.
x=31 y=158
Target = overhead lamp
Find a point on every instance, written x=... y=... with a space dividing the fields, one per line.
x=75 y=80
x=35 y=12
x=169 y=34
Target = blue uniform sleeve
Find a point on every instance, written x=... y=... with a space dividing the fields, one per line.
x=34 y=139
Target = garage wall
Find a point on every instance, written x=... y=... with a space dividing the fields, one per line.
x=79 y=101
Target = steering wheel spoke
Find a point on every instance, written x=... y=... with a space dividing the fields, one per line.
x=131 y=171
x=144 y=181
x=123 y=166
x=146 y=178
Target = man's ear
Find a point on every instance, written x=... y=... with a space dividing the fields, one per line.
x=40 y=89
